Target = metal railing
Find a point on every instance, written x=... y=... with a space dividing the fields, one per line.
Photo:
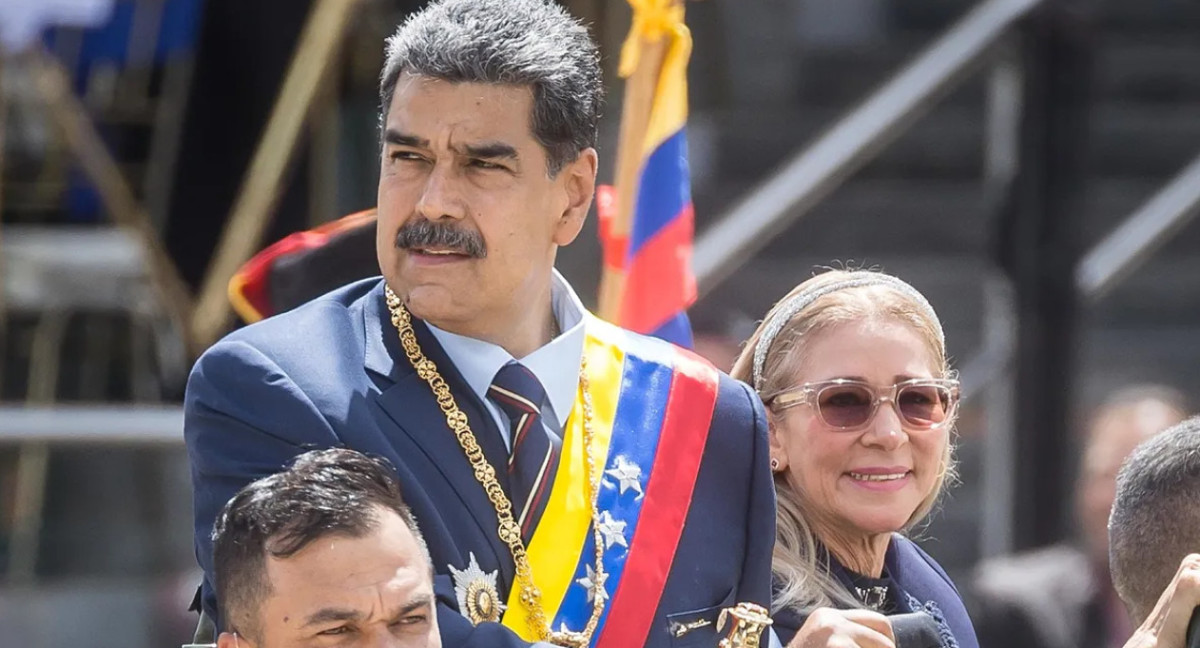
x=1109 y=262
x=1140 y=235
x=36 y=429
x=802 y=182
x=124 y=425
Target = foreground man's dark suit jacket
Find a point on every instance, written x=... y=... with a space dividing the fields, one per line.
x=332 y=373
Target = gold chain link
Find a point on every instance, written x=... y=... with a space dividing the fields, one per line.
x=485 y=474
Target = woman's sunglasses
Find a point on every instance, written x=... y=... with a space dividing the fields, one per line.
x=849 y=405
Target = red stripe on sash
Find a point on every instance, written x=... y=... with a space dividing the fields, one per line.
x=665 y=508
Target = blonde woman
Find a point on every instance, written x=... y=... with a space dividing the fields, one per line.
x=861 y=403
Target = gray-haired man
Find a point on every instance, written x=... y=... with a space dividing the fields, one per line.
x=575 y=482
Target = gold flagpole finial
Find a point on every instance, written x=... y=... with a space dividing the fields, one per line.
x=652 y=19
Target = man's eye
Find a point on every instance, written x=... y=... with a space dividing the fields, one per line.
x=340 y=630
x=415 y=619
x=484 y=164
x=406 y=156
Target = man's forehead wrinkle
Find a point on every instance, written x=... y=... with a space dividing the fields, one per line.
x=379 y=606
x=367 y=606
x=457 y=139
x=464 y=123
x=327 y=614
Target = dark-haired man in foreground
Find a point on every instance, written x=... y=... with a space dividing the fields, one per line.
x=325 y=553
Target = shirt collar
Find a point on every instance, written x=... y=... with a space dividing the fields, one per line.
x=556 y=364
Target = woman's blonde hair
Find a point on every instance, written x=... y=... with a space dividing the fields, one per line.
x=799 y=567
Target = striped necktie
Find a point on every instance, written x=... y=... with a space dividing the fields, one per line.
x=533 y=459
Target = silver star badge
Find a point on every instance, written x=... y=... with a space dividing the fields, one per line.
x=594 y=584
x=478 y=598
x=627 y=474
x=612 y=530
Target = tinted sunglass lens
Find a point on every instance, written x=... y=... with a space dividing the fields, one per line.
x=924 y=405
x=845 y=406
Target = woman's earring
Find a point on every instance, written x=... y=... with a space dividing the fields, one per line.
x=774 y=464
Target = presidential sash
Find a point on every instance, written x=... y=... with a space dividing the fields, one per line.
x=650 y=401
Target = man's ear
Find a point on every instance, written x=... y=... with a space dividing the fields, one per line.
x=233 y=640
x=579 y=178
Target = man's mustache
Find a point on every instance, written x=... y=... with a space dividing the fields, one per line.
x=420 y=233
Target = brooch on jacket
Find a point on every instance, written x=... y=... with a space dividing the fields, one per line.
x=749 y=622
x=478 y=598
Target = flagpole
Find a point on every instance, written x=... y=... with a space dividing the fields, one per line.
x=641 y=63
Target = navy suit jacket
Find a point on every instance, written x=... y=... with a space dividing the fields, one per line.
x=332 y=373
x=923 y=587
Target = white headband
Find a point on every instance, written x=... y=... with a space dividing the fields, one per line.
x=801 y=300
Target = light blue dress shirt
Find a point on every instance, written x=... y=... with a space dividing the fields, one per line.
x=556 y=364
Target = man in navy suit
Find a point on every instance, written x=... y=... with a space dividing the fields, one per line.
x=577 y=484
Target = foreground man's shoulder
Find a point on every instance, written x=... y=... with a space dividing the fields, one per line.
x=317 y=331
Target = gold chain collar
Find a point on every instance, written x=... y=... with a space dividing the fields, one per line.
x=485 y=474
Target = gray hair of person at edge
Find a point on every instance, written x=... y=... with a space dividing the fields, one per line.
x=323 y=492
x=1155 y=519
x=532 y=43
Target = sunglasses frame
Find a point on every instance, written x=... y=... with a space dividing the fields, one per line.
x=810 y=394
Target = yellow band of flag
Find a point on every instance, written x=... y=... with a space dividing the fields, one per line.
x=562 y=530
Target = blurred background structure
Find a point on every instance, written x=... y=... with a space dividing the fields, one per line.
x=1031 y=165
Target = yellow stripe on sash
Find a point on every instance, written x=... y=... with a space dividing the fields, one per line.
x=561 y=532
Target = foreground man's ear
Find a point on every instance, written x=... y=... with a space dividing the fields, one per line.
x=1167 y=624
x=232 y=640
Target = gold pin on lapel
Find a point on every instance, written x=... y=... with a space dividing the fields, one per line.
x=680 y=629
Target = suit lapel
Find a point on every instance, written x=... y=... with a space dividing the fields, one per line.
x=482 y=423
x=410 y=406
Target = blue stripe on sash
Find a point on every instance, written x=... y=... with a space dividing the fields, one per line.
x=645 y=386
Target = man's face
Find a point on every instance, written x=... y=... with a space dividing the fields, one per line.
x=460 y=159
x=1114 y=435
x=374 y=591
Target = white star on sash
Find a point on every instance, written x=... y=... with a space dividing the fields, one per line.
x=594 y=584
x=627 y=473
x=612 y=530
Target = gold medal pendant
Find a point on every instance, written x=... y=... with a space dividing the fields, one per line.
x=478 y=598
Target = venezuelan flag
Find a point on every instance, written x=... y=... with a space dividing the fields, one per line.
x=660 y=399
x=647 y=221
